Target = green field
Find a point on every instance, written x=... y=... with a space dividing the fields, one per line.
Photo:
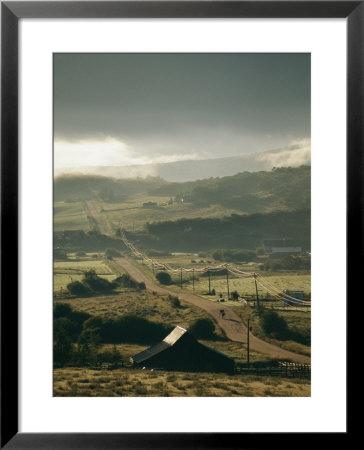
x=72 y=216
x=281 y=280
x=69 y=216
x=81 y=382
x=65 y=272
x=133 y=216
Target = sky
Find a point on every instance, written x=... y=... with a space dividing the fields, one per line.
x=126 y=109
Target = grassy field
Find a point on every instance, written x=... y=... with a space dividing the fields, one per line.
x=69 y=216
x=72 y=216
x=133 y=216
x=80 y=382
x=72 y=270
x=144 y=304
x=297 y=319
x=281 y=280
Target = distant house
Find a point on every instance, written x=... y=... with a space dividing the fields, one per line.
x=181 y=351
x=290 y=293
x=281 y=245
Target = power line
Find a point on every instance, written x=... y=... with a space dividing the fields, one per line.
x=208 y=269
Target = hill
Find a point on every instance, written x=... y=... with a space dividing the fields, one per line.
x=250 y=192
x=281 y=188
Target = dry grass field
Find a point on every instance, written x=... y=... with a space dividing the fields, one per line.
x=81 y=382
x=154 y=307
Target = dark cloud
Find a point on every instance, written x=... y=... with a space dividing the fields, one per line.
x=217 y=103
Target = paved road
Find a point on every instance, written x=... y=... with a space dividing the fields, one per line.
x=233 y=327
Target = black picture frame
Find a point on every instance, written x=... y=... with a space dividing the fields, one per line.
x=11 y=12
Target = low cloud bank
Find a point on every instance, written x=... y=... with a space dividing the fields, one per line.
x=296 y=154
x=187 y=167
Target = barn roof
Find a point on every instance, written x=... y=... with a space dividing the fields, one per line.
x=167 y=342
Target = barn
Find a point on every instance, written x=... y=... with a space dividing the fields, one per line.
x=181 y=351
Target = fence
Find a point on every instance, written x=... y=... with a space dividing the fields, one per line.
x=283 y=369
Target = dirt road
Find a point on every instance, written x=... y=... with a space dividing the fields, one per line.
x=231 y=323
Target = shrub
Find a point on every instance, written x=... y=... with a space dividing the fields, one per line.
x=67 y=321
x=235 y=295
x=164 y=278
x=203 y=329
x=127 y=281
x=96 y=283
x=174 y=301
x=81 y=253
x=128 y=329
x=62 y=348
x=272 y=323
x=64 y=325
x=78 y=289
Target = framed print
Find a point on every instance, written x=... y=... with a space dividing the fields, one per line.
x=172 y=173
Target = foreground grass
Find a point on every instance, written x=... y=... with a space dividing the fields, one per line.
x=81 y=382
x=234 y=350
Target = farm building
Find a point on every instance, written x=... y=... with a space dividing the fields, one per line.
x=180 y=351
x=283 y=245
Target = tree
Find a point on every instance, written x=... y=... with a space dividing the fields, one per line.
x=174 y=301
x=164 y=278
x=65 y=325
x=62 y=347
x=272 y=323
x=203 y=329
x=95 y=283
x=87 y=345
x=79 y=289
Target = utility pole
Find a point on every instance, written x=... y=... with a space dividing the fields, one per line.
x=193 y=279
x=209 y=283
x=256 y=290
x=227 y=282
x=181 y=278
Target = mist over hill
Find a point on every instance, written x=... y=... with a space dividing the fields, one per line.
x=191 y=170
x=251 y=192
